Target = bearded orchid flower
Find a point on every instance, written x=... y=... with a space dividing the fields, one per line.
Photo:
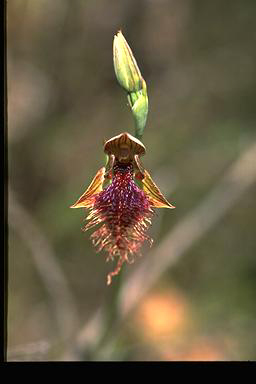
x=121 y=199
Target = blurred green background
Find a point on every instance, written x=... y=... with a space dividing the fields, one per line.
x=198 y=59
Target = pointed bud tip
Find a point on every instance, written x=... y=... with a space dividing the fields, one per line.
x=119 y=32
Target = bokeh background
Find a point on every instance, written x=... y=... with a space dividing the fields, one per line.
x=198 y=59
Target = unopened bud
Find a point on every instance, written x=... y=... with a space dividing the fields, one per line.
x=126 y=68
x=130 y=78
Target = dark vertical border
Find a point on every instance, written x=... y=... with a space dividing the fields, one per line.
x=5 y=186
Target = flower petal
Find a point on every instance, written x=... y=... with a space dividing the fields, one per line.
x=153 y=193
x=85 y=201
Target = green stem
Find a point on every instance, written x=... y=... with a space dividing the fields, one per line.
x=111 y=316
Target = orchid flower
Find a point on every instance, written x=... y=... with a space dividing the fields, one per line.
x=121 y=199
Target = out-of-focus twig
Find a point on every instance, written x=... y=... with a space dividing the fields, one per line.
x=236 y=181
x=49 y=270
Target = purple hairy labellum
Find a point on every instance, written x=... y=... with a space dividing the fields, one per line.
x=122 y=208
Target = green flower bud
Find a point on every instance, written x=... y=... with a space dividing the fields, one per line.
x=130 y=78
x=140 y=110
x=126 y=68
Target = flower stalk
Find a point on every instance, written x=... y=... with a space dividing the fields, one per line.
x=122 y=196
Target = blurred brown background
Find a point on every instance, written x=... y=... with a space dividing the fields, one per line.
x=198 y=59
